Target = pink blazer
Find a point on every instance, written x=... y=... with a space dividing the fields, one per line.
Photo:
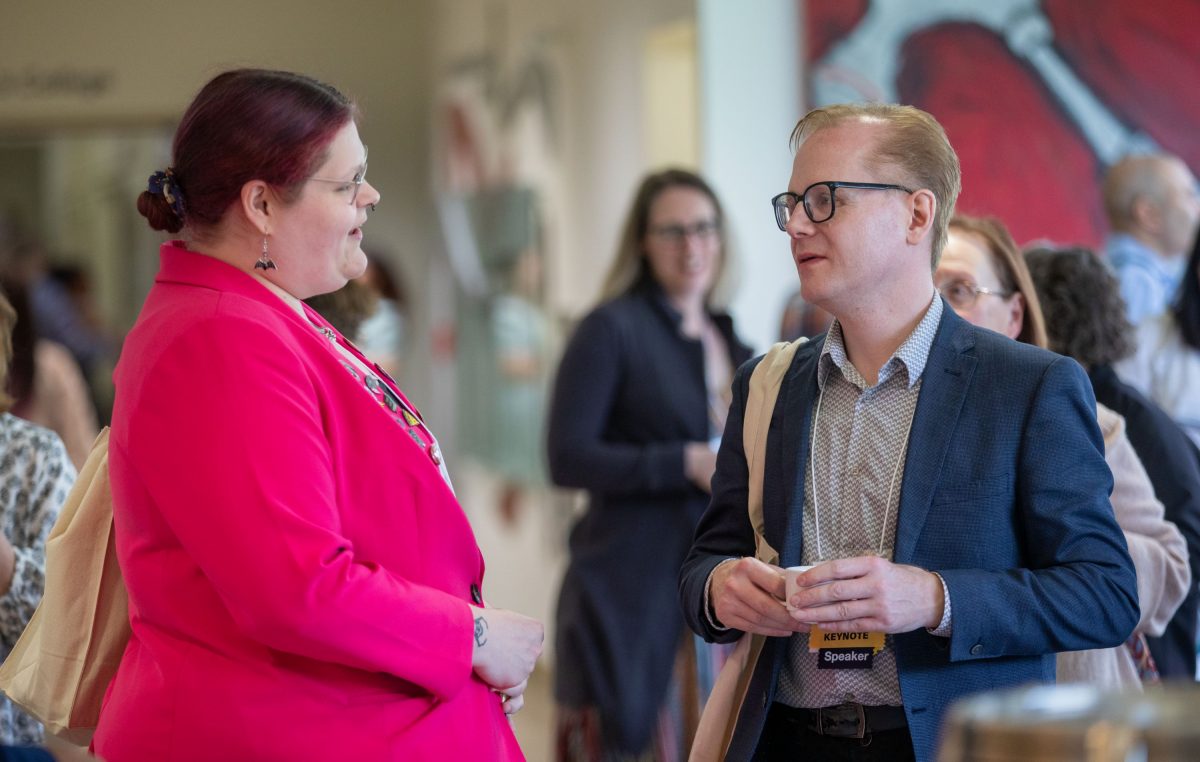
x=300 y=575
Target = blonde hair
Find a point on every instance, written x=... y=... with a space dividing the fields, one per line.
x=914 y=142
x=1012 y=272
x=629 y=267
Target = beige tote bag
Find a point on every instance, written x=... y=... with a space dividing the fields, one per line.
x=61 y=665
x=719 y=718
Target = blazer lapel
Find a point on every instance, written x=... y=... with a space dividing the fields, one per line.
x=796 y=404
x=948 y=374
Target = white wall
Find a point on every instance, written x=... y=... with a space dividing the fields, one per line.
x=750 y=84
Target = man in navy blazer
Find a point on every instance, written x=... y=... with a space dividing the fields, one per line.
x=956 y=490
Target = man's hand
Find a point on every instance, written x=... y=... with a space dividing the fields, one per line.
x=747 y=595
x=868 y=594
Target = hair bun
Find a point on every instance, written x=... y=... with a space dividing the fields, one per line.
x=158 y=212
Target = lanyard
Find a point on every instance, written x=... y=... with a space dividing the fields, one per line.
x=812 y=463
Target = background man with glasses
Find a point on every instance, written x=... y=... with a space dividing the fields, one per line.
x=954 y=479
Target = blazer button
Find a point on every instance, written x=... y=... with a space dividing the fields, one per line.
x=477 y=597
x=976 y=649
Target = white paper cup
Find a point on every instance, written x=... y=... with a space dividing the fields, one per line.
x=790 y=586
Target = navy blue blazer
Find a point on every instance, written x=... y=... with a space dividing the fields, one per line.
x=1005 y=494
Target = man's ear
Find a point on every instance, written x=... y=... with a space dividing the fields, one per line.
x=258 y=203
x=1145 y=214
x=922 y=208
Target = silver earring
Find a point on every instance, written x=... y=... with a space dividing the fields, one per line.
x=264 y=261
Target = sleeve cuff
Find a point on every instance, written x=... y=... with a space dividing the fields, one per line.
x=944 y=628
x=709 y=614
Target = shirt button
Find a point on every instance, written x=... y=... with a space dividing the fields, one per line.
x=976 y=649
x=435 y=453
x=476 y=596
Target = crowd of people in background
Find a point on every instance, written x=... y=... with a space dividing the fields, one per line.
x=298 y=559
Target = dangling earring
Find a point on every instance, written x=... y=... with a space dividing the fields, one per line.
x=265 y=262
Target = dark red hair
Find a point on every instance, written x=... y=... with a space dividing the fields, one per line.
x=246 y=124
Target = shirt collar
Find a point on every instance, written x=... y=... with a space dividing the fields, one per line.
x=1123 y=246
x=910 y=356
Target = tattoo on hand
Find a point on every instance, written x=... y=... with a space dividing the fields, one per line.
x=481 y=628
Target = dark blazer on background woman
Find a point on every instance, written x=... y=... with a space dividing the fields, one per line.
x=630 y=394
x=1173 y=465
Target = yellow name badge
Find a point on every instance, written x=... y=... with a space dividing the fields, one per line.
x=819 y=639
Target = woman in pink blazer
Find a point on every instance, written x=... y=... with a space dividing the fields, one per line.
x=303 y=583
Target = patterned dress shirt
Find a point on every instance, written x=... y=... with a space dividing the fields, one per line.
x=852 y=489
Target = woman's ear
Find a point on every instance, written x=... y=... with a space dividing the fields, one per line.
x=922 y=208
x=258 y=204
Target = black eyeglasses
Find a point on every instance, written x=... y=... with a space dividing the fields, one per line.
x=819 y=200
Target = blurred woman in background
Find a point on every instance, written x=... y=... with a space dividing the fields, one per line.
x=35 y=477
x=46 y=384
x=983 y=277
x=1086 y=320
x=381 y=336
x=639 y=402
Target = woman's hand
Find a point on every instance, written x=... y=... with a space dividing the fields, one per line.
x=507 y=646
x=513 y=698
x=8 y=564
x=699 y=463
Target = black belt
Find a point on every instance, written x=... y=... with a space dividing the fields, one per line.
x=844 y=720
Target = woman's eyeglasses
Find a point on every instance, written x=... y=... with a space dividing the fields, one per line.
x=351 y=185
x=675 y=235
x=963 y=294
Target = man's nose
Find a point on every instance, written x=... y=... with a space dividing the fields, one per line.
x=799 y=224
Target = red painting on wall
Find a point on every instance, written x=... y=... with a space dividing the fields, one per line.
x=1038 y=97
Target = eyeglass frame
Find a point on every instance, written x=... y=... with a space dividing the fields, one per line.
x=976 y=289
x=359 y=178
x=832 y=185
x=677 y=235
